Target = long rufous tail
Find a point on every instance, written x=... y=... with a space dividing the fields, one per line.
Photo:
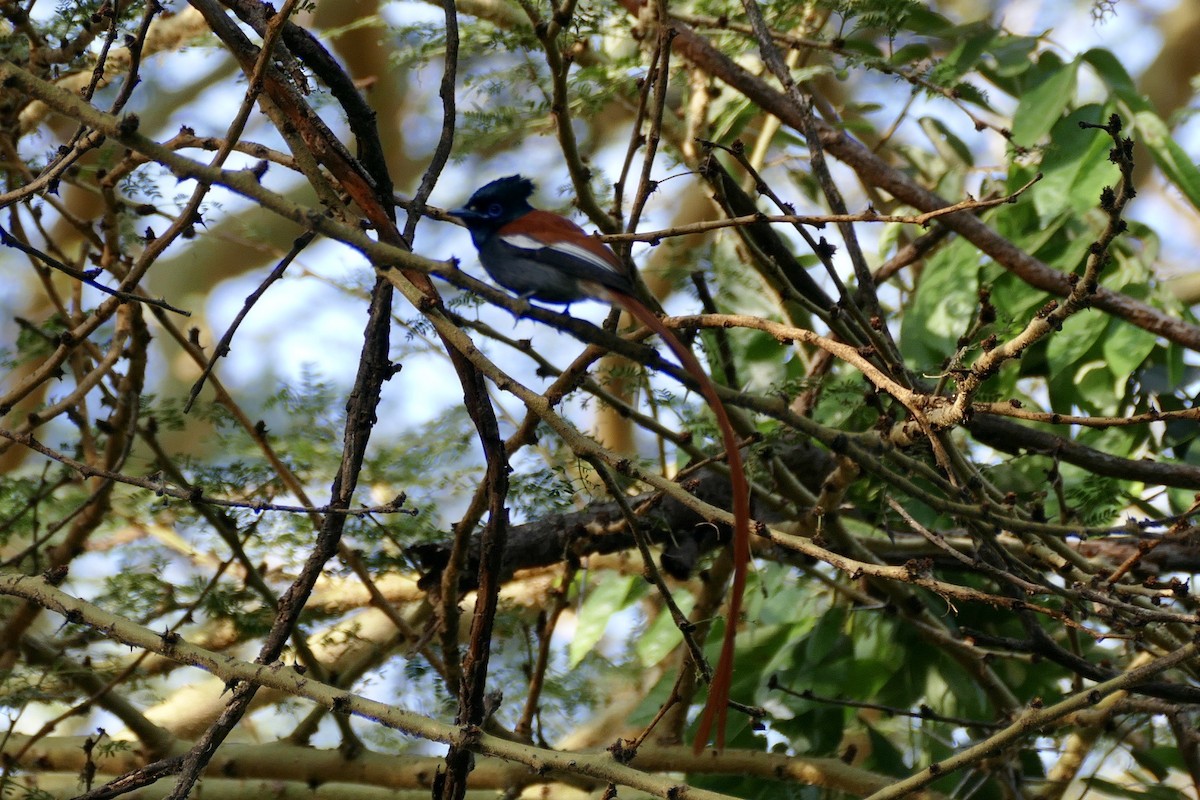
x=716 y=710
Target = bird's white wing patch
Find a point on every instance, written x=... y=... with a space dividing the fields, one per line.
x=575 y=251
x=522 y=241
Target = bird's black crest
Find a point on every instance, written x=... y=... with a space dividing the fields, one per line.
x=507 y=191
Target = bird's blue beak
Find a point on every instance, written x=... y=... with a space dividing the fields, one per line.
x=465 y=214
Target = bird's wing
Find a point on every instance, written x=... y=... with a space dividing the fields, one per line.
x=558 y=242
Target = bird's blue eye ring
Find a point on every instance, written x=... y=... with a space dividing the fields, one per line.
x=495 y=209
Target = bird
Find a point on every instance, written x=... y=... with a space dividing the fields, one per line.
x=544 y=256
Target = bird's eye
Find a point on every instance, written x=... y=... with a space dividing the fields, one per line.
x=495 y=210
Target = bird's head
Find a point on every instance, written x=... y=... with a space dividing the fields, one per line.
x=496 y=204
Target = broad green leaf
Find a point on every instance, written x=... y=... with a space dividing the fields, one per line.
x=1078 y=335
x=809 y=73
x=813 y=730
x=928 y=22
x=1148 y=127
x=1113 y=73
x=827 y=733
x=653 y=701
x=1158 y=760
x=1125 y=347
x=1137 y=791
x=950 y=147
x=943 y=307
x=863 y=677
x=761 y=650
x=1043 y=103
x=910 y=53
x=608 y=597
x=1176 y=367
x=1075 y=167
x=825 y=636
x=973 y=44
x=970 y=93
x=1011 y=56
x=1152 y=131
x=663 y=635
x=776 y=598
x=1096 y=389
x=1067 y=250
x=1020 y=222
x=862 y=46
x=884 y=756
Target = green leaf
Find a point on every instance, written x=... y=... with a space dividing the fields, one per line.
x=812 y=72
x=825 y=636
x=1113 y=73
x=928 y=22
x=1011 y=56
x=942 y=309
x=1043 y=103
x=973 y=43
x=1097 y=390
x=1125 y=347
x=862 y=46
x=1137 y=791
x=1079 y=333
x=1075 y=167
x=910 y=53
x=1158 y=761
x=970 y=93
x=884 y=756
x=953 y=150
x=610 y=596
x=1152 y=131
x=1148 y=127
x=663 y=635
